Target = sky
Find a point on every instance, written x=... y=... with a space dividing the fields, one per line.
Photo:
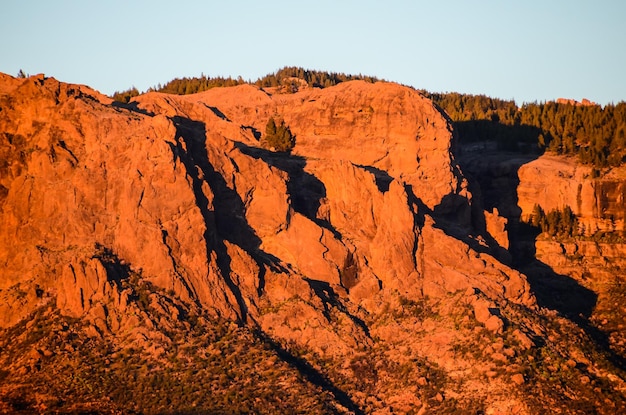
x=532 y=50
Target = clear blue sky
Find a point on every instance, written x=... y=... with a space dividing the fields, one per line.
x=523 y=50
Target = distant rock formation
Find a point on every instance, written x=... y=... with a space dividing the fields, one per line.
x=554 y=182
x=584 y=103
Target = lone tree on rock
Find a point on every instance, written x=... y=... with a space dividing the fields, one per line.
x=278 y=137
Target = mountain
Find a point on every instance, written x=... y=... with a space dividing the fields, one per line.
x=157 y=257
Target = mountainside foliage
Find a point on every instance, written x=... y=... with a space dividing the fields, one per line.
x=318 y=79
x=185 y=86
x=594 y=134
x=557 y=222
x=125 y=96
x=282 y=77
x=157 y=261
x=278 y=136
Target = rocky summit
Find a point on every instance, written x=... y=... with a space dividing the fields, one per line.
x=157 y=256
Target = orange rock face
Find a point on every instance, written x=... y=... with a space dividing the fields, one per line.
x=178 y=189
x=554 y=182
x=359 y=247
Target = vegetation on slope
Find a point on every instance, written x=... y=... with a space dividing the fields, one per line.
x=317 y=79
x=285 y=77
x=558 y=222
x=190 y=363
x=278 y=136
x=56 y=364
x=595 y=134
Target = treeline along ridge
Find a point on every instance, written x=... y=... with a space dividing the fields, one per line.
x=594 y=134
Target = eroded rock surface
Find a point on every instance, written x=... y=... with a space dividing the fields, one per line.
x=316 y=248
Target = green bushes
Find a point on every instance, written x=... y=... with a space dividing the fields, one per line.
x=278 y=137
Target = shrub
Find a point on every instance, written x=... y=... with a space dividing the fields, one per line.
x=278 y=137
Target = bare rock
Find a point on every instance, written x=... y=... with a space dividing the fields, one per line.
x=175 y=192
x=518 y=379
x=496 y=227
x=554 y=182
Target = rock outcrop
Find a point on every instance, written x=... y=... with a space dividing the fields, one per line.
x=177 y=186
x=554 y=182
x=514 y=183
x=116 y=214
x=569 y=101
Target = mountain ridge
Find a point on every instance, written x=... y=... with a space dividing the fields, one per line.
x=139 y=221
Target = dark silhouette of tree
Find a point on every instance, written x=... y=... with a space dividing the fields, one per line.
x=125 y=96
x=537 y=216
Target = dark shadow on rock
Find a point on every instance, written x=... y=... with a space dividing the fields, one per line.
x=305 y=190
x=224 y=217
x=132 y=106
x=419 y=210
x=330 y=299
x=311 y=374
x=116 y=270
x=493 y=174
x=255 y=133
x=467 y=223
x=217 y=112
x=382 y=178
x=561 y=292
x=518 y=139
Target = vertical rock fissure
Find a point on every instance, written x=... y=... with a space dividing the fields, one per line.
x=418 y=219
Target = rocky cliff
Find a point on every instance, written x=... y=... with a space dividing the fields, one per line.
x=360 y=265
x=557 y=181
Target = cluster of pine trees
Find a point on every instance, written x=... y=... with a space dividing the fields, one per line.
x=186 y=86
x=283 y=77
x=595 y=134
x=182 y=86
x=557 y=222
x=278 y=137
x=125 y=96
x=318 y=79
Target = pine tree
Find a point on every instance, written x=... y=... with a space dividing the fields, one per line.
x=278 y=137
x=537 y=217
x=270 y=128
